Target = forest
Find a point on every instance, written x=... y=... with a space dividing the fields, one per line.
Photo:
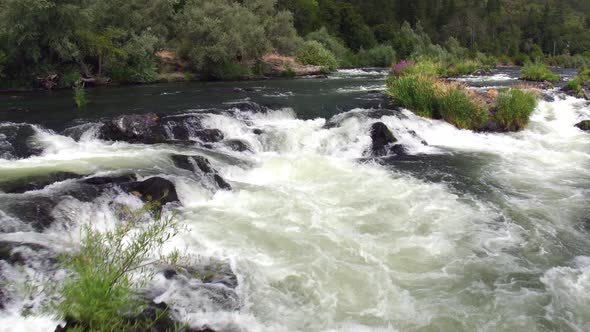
x=117 y=40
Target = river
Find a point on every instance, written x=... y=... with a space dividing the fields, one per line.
x=470 y=232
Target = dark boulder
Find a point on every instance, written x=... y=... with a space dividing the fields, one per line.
x=584 y=125
x=154 y=189
x=221 y=182
x=200 y=165
x=34 y=211
x=209 y=135
x=106 y=180
x=16 y=142
x=257 y=131
x=382 y=139
x=237 y=145
x=135 y=128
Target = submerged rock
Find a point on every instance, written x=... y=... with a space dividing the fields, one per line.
x=237 y=145
x=16 y=141
x=36 y=182
x=584 y=125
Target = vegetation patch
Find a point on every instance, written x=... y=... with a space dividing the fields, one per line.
x=417 y=88
x=513 y=109
x=314 y=53
x=102 y=292
x=538 y=72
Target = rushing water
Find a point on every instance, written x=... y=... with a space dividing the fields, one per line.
x=486 y=232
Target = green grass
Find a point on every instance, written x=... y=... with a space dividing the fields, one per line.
x=538 y=72
x=101 y=294
x=462 y=68
x=513 y=108
x=460 y=109
x=416 y=93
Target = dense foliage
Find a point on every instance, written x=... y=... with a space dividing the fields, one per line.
x=57 y=42
x=538 y=72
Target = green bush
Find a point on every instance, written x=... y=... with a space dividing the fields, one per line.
x=331 y=43
x=425 y=68
x=70 y=77
x=101 y=293
x=288 y=72
x=140 y=70
x=416 y=93
x=513 y=108
x=378 y=56
x=573 y=85
x=584 y=76
x=521 y=59
x=538 y=72
x=232 y=71
x=313 y=53
x=458 y=108
x=461 y=68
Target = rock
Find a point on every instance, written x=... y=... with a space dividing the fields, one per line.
x=248 y=106
x=584 y=125
x=36 y=182
x=105 y=180
x=154 y=189
x=257 y=131
x=135 y=128
x=34 y=211
x=398 y=150
x=479 y=72
x=237 y=145
x=200 y=164
x=221 y=182
x=209 y=135
x=16 y=141
x=382 y=138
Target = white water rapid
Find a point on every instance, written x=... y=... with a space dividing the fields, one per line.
x=474 y=232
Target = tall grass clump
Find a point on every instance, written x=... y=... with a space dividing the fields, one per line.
x=513 y=108
x=416 y=93
x=459 y=108
x=107 y=272
x=538 y=72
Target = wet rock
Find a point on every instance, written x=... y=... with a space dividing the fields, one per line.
x=9 y=251
x=382 y=139
x=34 y=211
x=106 y=180
x=237 y=145
x=201 y=165
x=584 y=125
x=209 y=135
x=135 y=128
x=257 y=131
x=154 y=189
x=16 y=142
x=36 y=182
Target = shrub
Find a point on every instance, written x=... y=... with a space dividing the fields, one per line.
x=513 y=108
x=313 y=53
x=80 y=95
x=538 y=72
x=425 y=68
x=232 y=71
x=288 y=72
x=584 y=76
x=70 y=77
x=331 y=43
x=101 y=294
x=573 y=85
x=416 y=93
x=461 y=109
x=521 y=59
x=378 y=56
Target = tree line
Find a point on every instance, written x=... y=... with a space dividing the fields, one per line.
x=118 y=39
